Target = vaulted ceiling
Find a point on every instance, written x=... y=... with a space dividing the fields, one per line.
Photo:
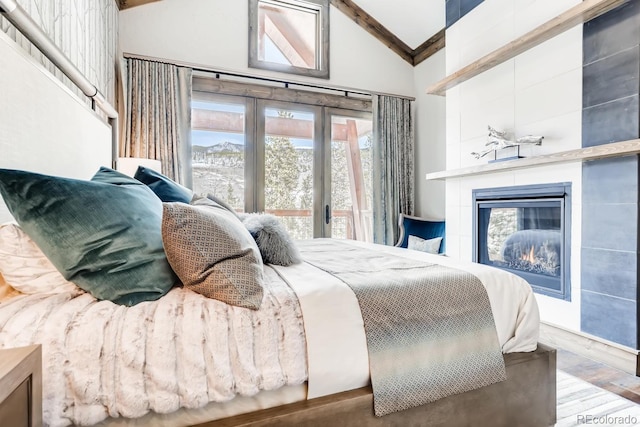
x=413 y=21
x=414 y=29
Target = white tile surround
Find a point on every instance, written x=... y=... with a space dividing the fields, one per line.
x=538 y=92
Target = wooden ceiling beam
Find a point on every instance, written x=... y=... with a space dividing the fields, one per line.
x=288 y=40
x=429 y=47
x=375 y=28
x=386 y=37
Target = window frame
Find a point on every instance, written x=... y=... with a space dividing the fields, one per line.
x=250 y=162
x=324 y=160
x=212 y=88
x=322 y=38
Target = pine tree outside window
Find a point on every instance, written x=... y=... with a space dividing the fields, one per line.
x=309 y=165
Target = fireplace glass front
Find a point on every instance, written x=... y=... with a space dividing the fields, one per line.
x=524 y=230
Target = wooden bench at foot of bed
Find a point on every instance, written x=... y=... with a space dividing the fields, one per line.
x=526 y=399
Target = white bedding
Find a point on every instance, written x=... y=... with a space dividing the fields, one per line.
x=332 y=315
x=185 y=350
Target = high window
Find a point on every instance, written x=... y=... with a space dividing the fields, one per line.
x=290 y=36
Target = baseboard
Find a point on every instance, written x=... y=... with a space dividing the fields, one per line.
x=598 y=349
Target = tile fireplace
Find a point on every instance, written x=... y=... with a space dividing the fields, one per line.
x=526 y=230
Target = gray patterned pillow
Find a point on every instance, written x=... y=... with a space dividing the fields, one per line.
x=213 y=253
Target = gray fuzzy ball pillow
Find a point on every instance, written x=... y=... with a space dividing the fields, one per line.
x=274 y=242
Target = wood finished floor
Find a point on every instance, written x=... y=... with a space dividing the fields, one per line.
x=600 y=375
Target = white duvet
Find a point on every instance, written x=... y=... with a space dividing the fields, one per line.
x=332 y=315
x=185 y=350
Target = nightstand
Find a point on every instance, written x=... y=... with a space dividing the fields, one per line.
x=21 y=387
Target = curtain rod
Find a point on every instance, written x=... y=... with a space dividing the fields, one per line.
x=226 y=72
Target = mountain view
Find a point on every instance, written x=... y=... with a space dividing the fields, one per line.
x=219 y=169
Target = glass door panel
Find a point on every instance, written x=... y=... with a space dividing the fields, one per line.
x=289 y=134
x=351 y=185
x=218 y=139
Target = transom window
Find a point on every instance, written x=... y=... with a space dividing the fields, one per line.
x=291 y=36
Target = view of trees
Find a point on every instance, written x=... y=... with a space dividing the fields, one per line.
x=219 y=170
x=288 y=183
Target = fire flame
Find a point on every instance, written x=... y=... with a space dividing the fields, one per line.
x=529 y=256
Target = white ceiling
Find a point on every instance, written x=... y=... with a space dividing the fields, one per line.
x=413 y=21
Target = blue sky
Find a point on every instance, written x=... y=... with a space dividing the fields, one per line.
x=273 y=54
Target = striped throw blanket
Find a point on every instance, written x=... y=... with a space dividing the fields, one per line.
x=429 y=328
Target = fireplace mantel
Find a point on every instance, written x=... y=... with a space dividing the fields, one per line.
x=614 y=149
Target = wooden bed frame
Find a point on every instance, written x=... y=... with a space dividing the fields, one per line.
x=526 y=399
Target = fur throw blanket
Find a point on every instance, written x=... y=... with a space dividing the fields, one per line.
x=105 y=360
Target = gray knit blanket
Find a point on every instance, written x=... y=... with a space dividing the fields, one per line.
x=430 y=330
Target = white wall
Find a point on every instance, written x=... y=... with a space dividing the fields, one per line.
x=46 y=124
x=214 y=33
x=87 y=33
x=43 y=126
x=430 y=142
x=538 y=92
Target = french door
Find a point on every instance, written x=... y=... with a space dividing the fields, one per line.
x=308 y=165
x=348 y=166
x=289 y=136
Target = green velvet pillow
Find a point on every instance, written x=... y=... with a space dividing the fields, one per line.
x=104 y=235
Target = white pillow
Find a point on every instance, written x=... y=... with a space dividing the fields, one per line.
x=24 y=267
x=431 y=246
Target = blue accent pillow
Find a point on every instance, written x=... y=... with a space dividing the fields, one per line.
x=104 y=235
x=419 y=227
x=165 y=188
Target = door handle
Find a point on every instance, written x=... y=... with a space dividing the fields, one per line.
x=327 y=214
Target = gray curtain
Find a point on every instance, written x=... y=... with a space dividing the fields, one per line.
x=393 y=166
x=158 y=116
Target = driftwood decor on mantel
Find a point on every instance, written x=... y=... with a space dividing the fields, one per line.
x=500 y=140
x=614 y=149
x=581 y=13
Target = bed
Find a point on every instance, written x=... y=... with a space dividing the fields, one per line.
x=228 y=376
x=301 y=356
x=74 y=329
